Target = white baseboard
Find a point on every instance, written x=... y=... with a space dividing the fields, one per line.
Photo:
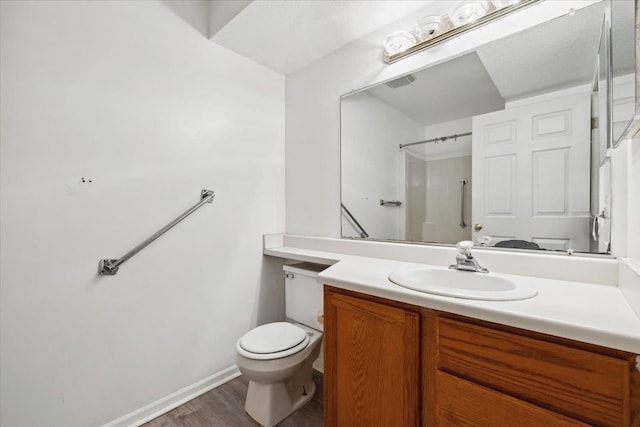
x=167 y=403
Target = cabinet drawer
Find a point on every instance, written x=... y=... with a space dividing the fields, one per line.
x=587 y=386
x=463 y=403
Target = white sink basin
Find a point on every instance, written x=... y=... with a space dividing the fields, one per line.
x=462 y=284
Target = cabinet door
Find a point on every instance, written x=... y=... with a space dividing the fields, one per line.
x=371 y=363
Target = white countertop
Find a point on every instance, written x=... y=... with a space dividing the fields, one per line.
x=592 y=313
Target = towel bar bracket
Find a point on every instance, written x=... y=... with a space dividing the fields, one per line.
x=107 y=267
x=207 y=194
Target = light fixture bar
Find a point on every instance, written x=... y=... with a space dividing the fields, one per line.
x=489 y=17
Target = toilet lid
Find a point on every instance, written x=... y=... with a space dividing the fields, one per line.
x=272 y=338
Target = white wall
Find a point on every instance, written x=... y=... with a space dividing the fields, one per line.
x=452 y=147
x=313 y=108
x=633 y=201
x=625 y=207
x=371 y=133
x=133 y=97
x=625 y=163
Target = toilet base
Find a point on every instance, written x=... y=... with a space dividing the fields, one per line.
x=279 y=387
x=269 y=404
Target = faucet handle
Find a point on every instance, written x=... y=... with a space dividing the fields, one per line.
x=465 y=247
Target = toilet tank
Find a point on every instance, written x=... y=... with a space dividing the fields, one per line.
x=303 y=293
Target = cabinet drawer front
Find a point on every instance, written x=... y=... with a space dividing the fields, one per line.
x=583 y=385
x=463 y=403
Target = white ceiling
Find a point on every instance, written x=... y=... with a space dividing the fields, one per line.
x=463 y=89
x=558 y=54
x=286 y=35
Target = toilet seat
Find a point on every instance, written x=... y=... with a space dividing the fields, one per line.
x=272 y=341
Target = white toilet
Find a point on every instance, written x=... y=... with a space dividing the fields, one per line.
x=278 y=358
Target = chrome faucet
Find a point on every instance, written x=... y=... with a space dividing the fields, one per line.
x=465 y=261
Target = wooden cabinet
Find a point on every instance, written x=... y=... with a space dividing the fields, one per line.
x=394 y=364
x=464 y=403
x=372 y=361
x=582 y=384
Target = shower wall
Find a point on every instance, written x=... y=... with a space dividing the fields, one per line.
x=443 y=200
x=433 y=188
x=434 y=171
x=416 y=179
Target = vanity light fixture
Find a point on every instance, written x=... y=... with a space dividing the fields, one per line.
x=430 y=27
x=466 y=12
x=399 y=42
x=431 y=30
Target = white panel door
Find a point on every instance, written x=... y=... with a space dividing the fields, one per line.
x=531 y=169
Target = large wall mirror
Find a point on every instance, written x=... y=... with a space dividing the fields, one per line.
x=506 y=145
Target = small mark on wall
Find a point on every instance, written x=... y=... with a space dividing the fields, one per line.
x=83 y=183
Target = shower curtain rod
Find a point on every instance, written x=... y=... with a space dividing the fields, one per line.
x=440 y=139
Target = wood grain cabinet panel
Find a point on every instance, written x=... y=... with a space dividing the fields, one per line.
x=372 y=356
x=584 y=385
x=398 y=365
x=463 y=403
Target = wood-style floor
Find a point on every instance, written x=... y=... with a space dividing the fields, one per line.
x=224 y=407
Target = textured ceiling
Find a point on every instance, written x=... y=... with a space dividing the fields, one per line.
x=452 y=90
x=557 y=54
x=286 y=35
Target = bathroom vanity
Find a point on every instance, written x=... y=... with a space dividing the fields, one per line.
x=396 y=356
x=387 y=361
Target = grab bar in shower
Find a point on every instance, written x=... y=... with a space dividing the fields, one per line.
x=361 y=231
x=463 y=183
x=109 y=267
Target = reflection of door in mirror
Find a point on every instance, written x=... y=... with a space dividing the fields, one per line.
x=531 y=165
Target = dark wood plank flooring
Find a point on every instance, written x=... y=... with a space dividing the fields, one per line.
x=224 y=407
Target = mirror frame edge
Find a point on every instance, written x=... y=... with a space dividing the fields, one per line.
x=633 y=126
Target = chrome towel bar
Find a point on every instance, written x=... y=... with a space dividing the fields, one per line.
x=109 y=267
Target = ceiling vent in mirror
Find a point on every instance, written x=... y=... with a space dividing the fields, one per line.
x=402 y=81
